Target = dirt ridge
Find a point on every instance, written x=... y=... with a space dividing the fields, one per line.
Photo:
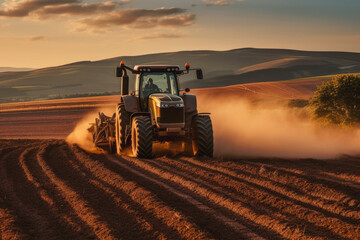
x=52 y=190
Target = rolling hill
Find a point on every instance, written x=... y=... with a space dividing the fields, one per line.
x=11 y=69
x=221 y=68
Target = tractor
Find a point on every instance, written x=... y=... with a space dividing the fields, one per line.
x=156 y=111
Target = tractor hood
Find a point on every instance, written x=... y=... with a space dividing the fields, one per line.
x=168 y=99
x=167 y=111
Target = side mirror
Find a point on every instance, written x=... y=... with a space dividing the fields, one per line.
x=199 y=74
x=187 y=89
x=119 y=72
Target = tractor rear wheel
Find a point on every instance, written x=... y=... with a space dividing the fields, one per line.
x=142 y=137
x=122 y=119
x=202 y=136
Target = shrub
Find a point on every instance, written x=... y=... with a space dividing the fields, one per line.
x=338 y=101
x=298 y=103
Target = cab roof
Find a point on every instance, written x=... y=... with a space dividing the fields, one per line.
x=157 y=68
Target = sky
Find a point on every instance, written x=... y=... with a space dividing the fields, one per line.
x=43 y=33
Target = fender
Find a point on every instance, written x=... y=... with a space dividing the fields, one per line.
x=131 y=103
x=194 y=114
x=138 y=114
x=189 y=102
x=190 y=108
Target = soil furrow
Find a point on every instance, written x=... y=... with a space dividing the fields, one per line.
x=310 y=180
x=130 y=223
x=10 y=227
x=247 y=195
x=79 y=205
x=344 y=227
x=312 y=183
x=174 y=220
x=334 y=225
x=328 y=208
x=345 y=179
x=235 y=206
x=19 y=198
x=330 y=196
x=68 y=225
x=52 y=190
x=158 y=179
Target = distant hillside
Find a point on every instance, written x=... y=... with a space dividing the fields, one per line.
x=11 y=69
x=221 y=68
x=302 y=88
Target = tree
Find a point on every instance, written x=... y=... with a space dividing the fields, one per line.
x=338 y=101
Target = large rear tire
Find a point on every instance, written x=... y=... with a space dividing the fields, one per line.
x=122 y=119
x=142 y=137
x=202 y=136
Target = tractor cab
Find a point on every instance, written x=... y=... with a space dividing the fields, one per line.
x=155 y=79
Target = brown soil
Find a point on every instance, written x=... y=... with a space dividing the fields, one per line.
x=52 y=190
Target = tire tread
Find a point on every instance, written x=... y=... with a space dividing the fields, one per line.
x=143 y=127
x=204 y=135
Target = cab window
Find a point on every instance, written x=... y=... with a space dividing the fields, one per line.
x=152 y=82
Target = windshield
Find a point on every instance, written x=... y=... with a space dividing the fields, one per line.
x=153 y=82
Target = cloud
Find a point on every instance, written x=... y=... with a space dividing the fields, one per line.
x=44 y=8
x=76 y=9
x=216 y=3
x=36 y=38
x=99 y=16
x=142 y=18
x=23 y=8
x=158 y=35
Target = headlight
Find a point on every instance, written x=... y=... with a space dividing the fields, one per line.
x=179 y=105
x=162 y=105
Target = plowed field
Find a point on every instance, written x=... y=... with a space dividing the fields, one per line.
x=52 y=190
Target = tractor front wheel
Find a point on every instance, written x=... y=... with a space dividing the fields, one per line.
x=202 y=142
x=142 y=137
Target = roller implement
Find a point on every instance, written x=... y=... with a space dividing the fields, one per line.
x=156 y=111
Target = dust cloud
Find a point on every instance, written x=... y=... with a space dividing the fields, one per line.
x=272 y=129
x=245 y=129
x=81 y=136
